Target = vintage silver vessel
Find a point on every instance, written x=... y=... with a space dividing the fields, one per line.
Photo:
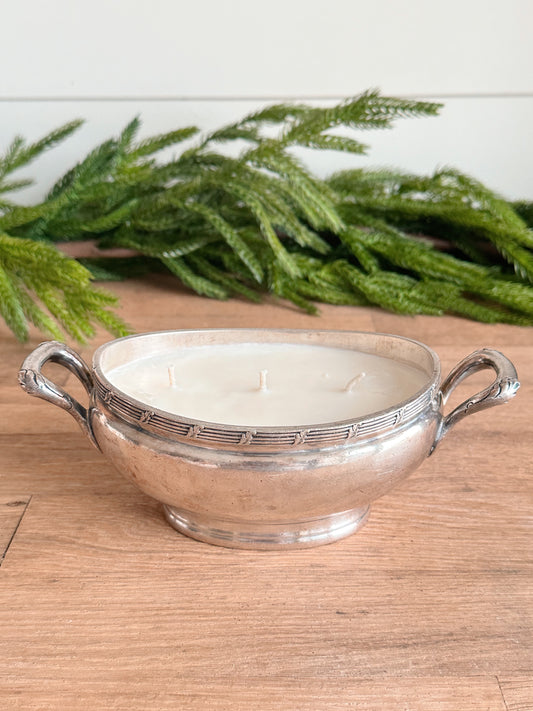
x=265 y=487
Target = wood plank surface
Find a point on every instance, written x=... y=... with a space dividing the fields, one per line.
x=12 y=509
x=518 y=693
x=428 y=607
x=403 y=694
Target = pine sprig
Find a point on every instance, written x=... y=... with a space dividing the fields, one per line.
x=40 y=285
x=19 y=154
x=448 y=199
x=237 y=214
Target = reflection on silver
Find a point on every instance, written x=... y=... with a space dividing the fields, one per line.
x=266 y=487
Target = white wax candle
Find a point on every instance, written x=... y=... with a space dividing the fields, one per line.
x=264 y=384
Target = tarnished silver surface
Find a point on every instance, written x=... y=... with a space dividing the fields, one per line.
x=265 y=487
x=35 y=383
x=502 y=389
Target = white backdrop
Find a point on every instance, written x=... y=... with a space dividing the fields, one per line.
x=207 y=62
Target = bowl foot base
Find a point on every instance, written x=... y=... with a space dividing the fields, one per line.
x=265 y=535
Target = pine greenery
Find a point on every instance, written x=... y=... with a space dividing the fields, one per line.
x=231 y=223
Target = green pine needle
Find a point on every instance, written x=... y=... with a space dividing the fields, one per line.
x=257 y=220
x=40 y=285
x=19 y=154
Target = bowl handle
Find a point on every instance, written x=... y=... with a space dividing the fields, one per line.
x=502 y=389
x=35 y=383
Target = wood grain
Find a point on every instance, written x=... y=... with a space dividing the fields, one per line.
x=518 y=693
x=263 y=694
x=104 y=606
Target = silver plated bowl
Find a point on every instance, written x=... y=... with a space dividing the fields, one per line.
x=265 y=487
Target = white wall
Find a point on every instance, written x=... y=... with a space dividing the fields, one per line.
x=207 y=62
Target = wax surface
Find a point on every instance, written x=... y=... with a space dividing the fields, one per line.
x=303 y=384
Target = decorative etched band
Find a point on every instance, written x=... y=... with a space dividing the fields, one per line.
x=286 y=438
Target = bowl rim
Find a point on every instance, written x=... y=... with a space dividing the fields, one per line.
x=219 y=435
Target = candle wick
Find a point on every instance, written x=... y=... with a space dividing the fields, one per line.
x=171 y=376
x=353 y=382
x=263 y=387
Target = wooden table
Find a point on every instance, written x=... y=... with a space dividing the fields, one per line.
x=428 y=607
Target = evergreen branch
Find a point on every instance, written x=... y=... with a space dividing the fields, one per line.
x=6 y=187
x=157 y=143
x=328 y=142
x=369 y=110
x=260 y=221
x=201 y=285
x=160 y=245
x=19 y=216
x=306 y=189
x=228 y=282
x=104 y=223
x=354 y=239
x=284 y=258
x=18 y=154
x=37 y=317
x=231 y=236
x=233 y=133
x=9 y=161
x=278 y=197
x=97 y=164
x=421 y=259
x=254 y=201
x=11 y=307
x=34 y=271
x=276 y=114
x=128 y=133
x=447 y=200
